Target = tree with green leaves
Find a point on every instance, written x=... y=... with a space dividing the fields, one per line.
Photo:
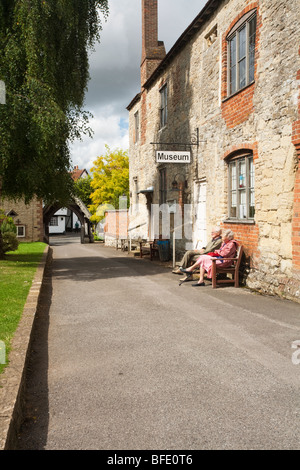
x=110 y=180
x=44 y=46
x=83 y=189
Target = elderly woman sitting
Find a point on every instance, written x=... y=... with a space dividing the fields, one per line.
x=228 y=250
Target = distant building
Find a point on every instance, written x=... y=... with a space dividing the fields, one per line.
x=215 y=135
x=30 y=218
x=65 y=220
x=77 y=173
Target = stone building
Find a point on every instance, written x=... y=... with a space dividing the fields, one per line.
x=215 y=135
x=28 y=219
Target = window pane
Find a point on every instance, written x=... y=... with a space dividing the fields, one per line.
x=233 y=204
x=252 y=27
x=242 y=73
x=233 y=51
x=242 y=43
x=232 y=65
x=163 y=106
x=233 y=176
x=251 y=172
x=137 y=125
x=233 y=194
x=242 y=174
x=242 y=57
x=251 y=189
x=251 y=205
x=252 y=34
x=242 y=204
x=233 y=212
x=233 y=80
x=166 y=103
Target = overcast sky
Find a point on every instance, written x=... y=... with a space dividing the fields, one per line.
x=115 y=71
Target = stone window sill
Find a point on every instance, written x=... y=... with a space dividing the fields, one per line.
x=239 y=222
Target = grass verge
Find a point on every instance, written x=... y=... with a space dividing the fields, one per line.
x=17 y=271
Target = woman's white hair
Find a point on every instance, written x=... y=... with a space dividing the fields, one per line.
x=228 y=234
x=217 y=229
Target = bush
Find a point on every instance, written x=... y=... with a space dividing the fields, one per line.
x=8 y=226
x=10 y=242
x=8 y=229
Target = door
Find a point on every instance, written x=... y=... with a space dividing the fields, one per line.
x=199 y=235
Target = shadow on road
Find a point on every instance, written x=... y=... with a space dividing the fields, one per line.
x=94 y=268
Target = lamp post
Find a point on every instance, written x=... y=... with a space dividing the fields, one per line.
x=179 y=186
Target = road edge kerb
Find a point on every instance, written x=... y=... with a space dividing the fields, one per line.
x=12 y=380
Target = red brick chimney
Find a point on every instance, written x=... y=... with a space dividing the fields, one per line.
x=153 y=51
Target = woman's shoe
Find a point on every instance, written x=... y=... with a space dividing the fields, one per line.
x=185 y=271
x=197 y=285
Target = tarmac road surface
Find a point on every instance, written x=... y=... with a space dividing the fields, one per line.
x=123 y=358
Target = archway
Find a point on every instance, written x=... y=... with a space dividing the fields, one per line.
x=76 y=206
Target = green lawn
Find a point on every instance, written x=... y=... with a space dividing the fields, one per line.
x=17 y=271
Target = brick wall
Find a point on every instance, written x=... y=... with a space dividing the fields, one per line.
x=153 y=51
x=296 y=213
x=116 y=226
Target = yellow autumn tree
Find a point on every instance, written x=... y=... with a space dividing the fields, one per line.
x=110 y=181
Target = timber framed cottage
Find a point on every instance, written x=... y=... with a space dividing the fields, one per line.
x=215 y=135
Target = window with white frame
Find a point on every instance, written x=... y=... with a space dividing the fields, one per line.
x=241 y=53
x=163 y=106
x=241 y=188
x=20 y=231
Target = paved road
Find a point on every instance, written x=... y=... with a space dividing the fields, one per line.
x=123 y=358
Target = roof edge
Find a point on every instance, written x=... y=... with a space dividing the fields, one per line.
x=134 y=101
x=190 y=31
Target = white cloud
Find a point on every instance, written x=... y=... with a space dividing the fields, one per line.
x=108 y=130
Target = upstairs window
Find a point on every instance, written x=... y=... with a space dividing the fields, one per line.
x=241 y=188
x=136 y=127
x=163 y=106
x=241 y=53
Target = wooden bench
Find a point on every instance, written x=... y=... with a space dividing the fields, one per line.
x=233 y=270
x=137 y=245
x=154 y=249
x=151 y=248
